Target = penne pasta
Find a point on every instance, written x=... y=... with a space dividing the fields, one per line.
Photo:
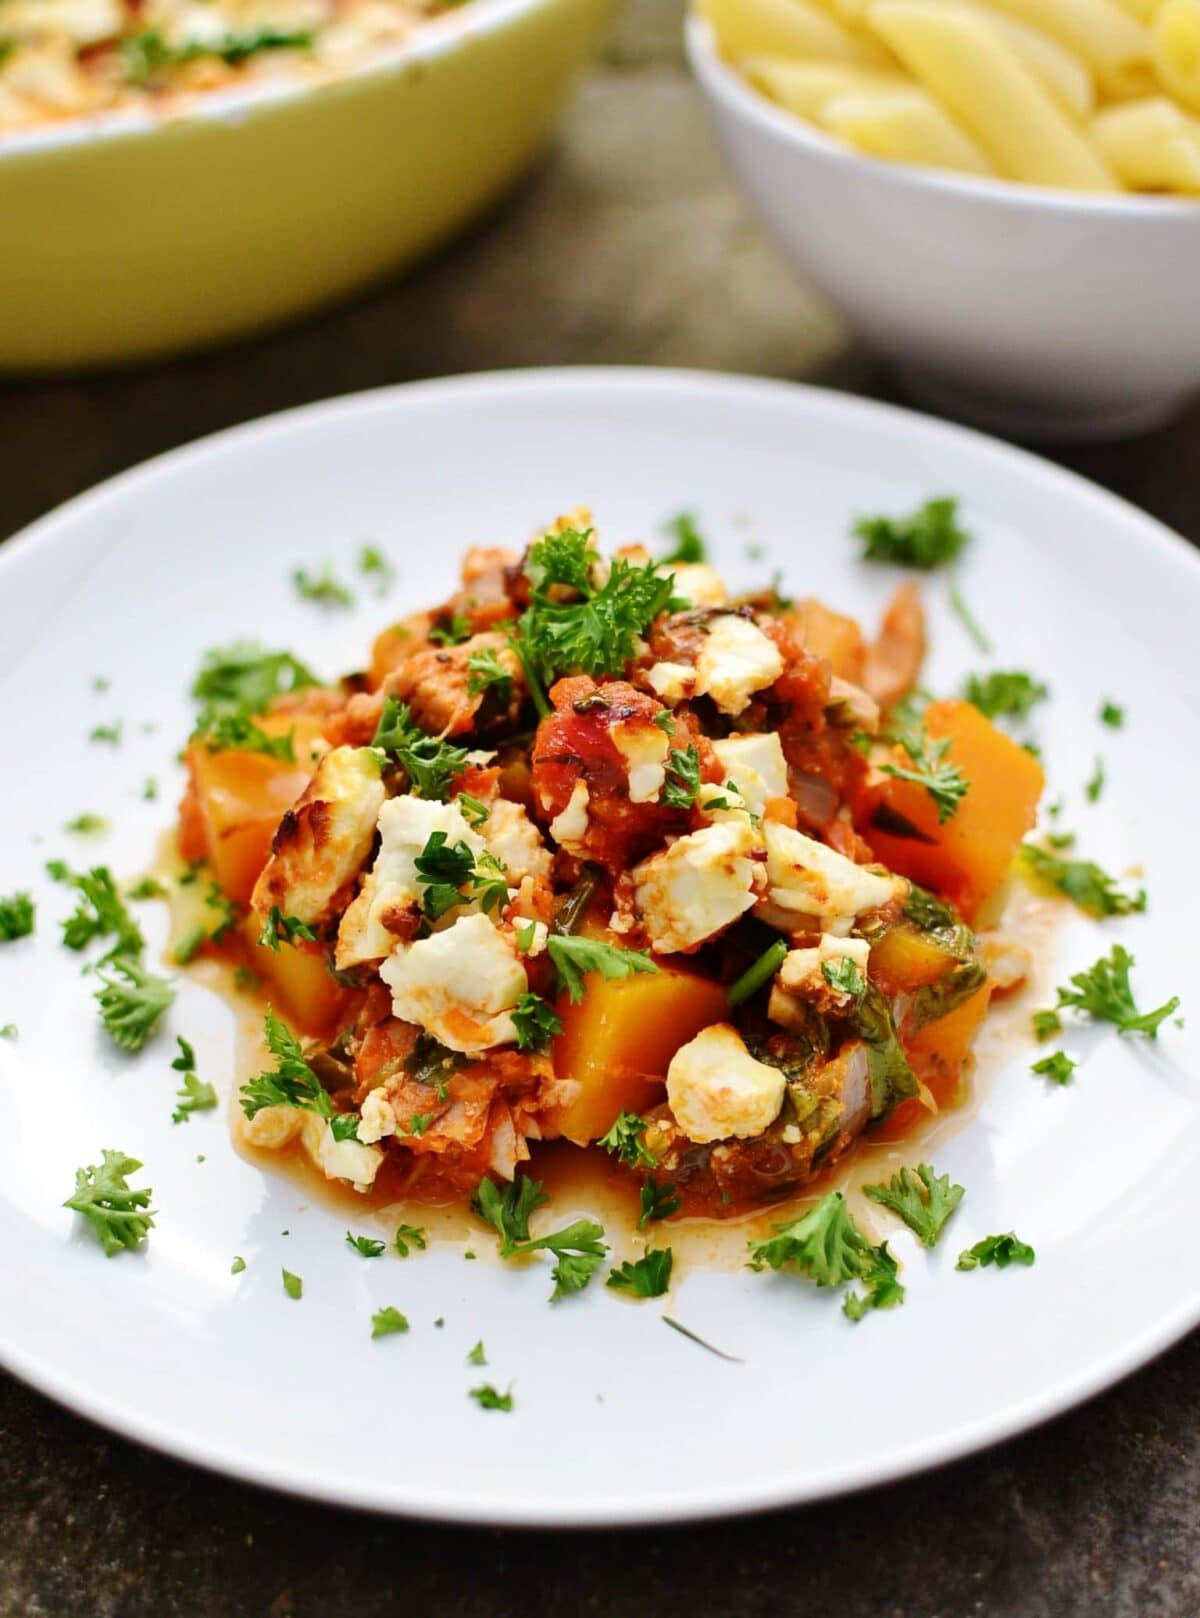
x=787 y=28
x=1115 y=47
x=1059 y=71
x=1151 y=144
x=1176 y=37
x=904 y=125
x=986 y=88
x=805 y=87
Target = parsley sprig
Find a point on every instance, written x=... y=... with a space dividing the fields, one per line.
x=646 y=1277
x=536 y=1022
x=575 y=957
x=118 y=1216
x=578 y=1247
x=452 y=876
x=291 y=1082
x=924 y=1200
x=245 y=678
x=926 y=538
x=1082 y=881
x=485 y=672
x=193 y=1094
x=827 y=1246
x=572 y=626
x=1010 y=693
x=683 y=778
x=1103 y=991
x=928 y=768
x=626 y=1140
x=17 y=913
x=131 y=1000
x=430 y=762
x=100 y=913
x=289 y=928
x=689 y=542
x=998 y=1250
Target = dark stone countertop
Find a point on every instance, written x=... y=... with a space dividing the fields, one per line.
x=627 y=245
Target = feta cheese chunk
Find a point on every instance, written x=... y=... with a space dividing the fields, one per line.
x=324 y=840
x=393 y=885
x=515 y=841
x=644 y=748
x=697 y=583
x=671 y=682
x=569 y=826
x=736 y=660
x=339 y=1159
x=376 y=1117
x=459 y=985
x=805 y=878
x=717 y=1090
x=756 y=766
x=699 y=885
x=801 y=980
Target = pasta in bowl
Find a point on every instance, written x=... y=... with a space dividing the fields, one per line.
x=965 y=185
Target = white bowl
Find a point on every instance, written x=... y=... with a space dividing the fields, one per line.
x=1045 y=313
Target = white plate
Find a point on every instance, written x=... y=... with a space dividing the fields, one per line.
x=617 y=1418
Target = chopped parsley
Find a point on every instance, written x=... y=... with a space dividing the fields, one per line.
x=147 y=55
x=87 y=824
x=386 y=1322
x=648 y=1277
x=451 y=631
x=577 y=1247
x=17 y=915
x=926 y=538
x=689 y=542
x=477 y=1356
x=291 y=928
x=238 y=733
x=827 y=1246
x=9 y=1031
x=131 y=1000
x=1095 y=785
x=430 y=762
x=406 y=1236
x=1082 y=881
x=924 y=1200
x=291 y=1083
x=452 y=877
x=485 y=672
x=1010 y=693
x=118 y=1216
x=575 y=957
x=365 y=1246
x=150 y=788
x=683 y=778
x=193 y=1095
x=474 y=812
x=626 y=1141
x=238 y=1265
x=322 y=587
x=1046 y=1024
x=594 y=630
x=656 y=1201
x=373 y=564
x=927 y=767
x=1112 y=716
x=1103 y=992
x=106 y=733
x=998 y=1250
x=245 y=678
x=760 y=972
x=843 y=975
x=292 y=1284
x=1058 y=1066
x=487 y=1398
x=536 y=1022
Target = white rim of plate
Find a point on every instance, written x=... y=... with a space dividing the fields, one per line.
x=479 y=1508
